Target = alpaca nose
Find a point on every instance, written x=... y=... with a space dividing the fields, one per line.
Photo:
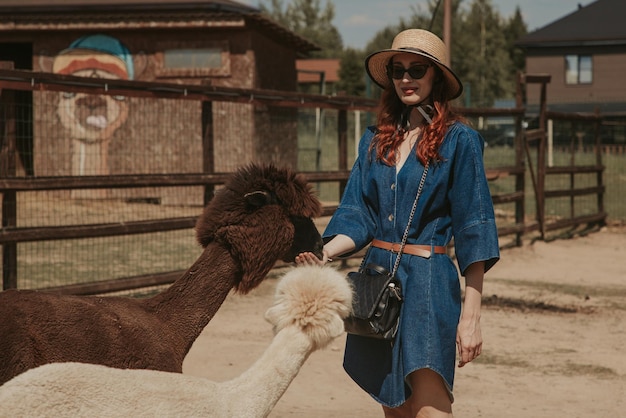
x=306 y=238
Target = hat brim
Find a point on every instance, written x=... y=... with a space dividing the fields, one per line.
x=376 y=67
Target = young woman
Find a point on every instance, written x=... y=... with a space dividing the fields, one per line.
x=417 y=130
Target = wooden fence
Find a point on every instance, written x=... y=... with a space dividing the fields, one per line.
x=11 y=185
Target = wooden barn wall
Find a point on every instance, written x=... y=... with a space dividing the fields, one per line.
x=277 y=134
x=142 y=136
x=276 y=127
x=163 y=136
x=233 y=124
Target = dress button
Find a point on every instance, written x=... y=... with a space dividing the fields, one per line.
x=393 y=186
x=390 y=218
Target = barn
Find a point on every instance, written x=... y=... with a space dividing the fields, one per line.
x=191 y=42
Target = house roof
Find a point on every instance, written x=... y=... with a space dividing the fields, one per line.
x=33 y=6
x=597 y=24
x=309 y=70
x=16 y=15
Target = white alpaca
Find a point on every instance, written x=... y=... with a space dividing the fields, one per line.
x=308 y=311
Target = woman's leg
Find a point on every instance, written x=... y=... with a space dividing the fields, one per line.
x=403 y=411
x=429 y=398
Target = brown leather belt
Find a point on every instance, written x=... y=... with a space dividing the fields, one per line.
x=413 y=249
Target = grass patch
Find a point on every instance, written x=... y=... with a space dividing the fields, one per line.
x=614 y=179
x=569 y=369
x=500 y=360
x=566 y=289
x=526 y=305
x=577 y=369
x=613 y=298
x=57 y=263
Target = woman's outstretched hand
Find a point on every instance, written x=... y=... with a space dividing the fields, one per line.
x=310 y=259
x=340 y=244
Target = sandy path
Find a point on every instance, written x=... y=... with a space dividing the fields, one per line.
x=554 y=326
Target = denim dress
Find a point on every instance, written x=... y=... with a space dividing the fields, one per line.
x=455 y=202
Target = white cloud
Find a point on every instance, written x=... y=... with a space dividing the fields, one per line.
x=359 y=20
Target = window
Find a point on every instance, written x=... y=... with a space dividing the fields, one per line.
x=192 y=58
x=210 y=59
x=578 y=69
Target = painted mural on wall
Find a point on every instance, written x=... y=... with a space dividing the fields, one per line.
x=92 y=120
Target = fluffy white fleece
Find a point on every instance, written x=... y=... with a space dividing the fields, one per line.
x=308 y=311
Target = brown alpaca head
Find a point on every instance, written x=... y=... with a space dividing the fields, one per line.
x=262 y=215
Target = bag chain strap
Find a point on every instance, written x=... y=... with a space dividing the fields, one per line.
x=408 y=225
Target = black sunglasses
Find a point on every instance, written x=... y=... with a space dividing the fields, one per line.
x=415 y=71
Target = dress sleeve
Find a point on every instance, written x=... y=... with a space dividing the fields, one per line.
x=473 y=220
x=355 y=216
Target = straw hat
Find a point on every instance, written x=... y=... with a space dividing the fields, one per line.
x=419 y=42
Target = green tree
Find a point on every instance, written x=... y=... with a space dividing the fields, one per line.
x=275 y=12
x=514 y=30
x=482 y=52
x=351 y=73
x=487 y=61
x=310 y=21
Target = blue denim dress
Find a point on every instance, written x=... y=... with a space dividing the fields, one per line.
x=455 y=202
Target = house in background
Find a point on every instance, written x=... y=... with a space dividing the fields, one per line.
x=585 y=55
x=200 y=42
x=318 y=76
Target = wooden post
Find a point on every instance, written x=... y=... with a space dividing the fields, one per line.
x=208 y=157
x=599 y=176
x=447 y=29
x=8 y=168
x=538 y=135
x=541 y=162
x=520 y=179
x=342 y=131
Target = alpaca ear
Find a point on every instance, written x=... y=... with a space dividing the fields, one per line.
x=336 y=326
x=258 y=198
x=273 y=315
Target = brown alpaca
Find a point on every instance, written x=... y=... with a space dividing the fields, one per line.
x=308 y=311
x=262 y=214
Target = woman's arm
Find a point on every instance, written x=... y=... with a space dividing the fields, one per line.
x=468 y=337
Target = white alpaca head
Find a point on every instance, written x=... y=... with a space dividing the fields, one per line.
x=314 y=299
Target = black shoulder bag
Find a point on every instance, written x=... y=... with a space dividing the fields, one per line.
x=377 y=293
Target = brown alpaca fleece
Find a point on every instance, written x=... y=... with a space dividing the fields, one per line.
x=285 y=194
x=249 y=225
x=309 y=308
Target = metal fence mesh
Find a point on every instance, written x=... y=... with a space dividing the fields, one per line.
x=57 y=138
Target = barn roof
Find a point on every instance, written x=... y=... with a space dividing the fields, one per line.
x=23 y=5
x=309 y=70
x=599 y=23
x=32 y=15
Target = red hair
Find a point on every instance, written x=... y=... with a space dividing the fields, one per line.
x=389 y=136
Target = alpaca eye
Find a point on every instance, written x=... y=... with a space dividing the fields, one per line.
x=258 y=198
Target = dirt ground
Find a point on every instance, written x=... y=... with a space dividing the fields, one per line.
x=554 y=329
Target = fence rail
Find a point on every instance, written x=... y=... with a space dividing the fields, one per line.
x=11 y=186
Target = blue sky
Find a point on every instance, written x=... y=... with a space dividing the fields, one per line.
x=359 y=20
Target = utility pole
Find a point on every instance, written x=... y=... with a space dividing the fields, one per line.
x=447 y=32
